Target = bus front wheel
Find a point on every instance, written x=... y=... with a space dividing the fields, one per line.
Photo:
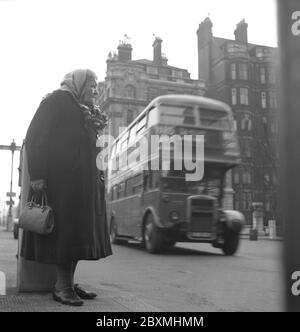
x=231 y=242
x=152 y=236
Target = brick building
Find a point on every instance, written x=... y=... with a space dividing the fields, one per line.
x=131 y=84
x=243 y=75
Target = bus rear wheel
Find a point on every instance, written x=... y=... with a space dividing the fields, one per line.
x=231 y=243
x=152 y=236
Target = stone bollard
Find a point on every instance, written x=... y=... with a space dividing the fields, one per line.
x=2 y=283
x=253 y=234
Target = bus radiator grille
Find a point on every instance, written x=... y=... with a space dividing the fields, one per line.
x=202 y=215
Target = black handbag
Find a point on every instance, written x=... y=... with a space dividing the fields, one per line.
x=37 y=218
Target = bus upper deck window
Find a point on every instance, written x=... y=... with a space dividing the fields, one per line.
x=117 y=151
x=132 y=134
x=124 y=142
x=113 y=151
x=153 y=117
x=189 y=117
x=178 y=115
x=141 y=124
x=214 y=119
x=124 y=145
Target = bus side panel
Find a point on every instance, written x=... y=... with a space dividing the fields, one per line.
x=114 y=213
x=173 y=202
x=134 y=215
x=121 y=217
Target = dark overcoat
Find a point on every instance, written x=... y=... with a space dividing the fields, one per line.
x=62 y=150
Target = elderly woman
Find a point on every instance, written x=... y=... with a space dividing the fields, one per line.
x=61 y=148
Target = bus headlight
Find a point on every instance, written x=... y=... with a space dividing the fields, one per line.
x=173 y=215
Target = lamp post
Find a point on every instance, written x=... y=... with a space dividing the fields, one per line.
x=11 y=202
x=12 y=147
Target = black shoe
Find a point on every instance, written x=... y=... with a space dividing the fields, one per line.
x=84 y=294
x=67 y=296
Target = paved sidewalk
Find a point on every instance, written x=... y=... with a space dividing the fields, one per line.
x=110 y=299
x=260 y=236
x=106 y=301
x=42 y=302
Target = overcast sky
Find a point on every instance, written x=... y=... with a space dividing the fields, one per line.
x=42 y=40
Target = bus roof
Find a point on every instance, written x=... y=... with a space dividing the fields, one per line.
x=179 y=99
x=190 y=100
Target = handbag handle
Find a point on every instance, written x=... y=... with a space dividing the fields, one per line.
x=44 y=199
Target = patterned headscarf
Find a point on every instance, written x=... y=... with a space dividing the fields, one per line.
x=75 y=83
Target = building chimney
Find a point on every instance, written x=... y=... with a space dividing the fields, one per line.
x=124 y=52
x=157 y=55
x=241 y=32
x=205 y=36
x=204 y=32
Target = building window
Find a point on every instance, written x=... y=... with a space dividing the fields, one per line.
x=259 y=52
x=235 y=127
x=129 y=91
x=264 y=120
x=272 y=99
x=263 y=100
x=262 y=75
x=243 y=71
x=246 y=201
x=177 y=73
x=270 y=202
x=249 y=200
x=247 y=148
x=233 y=96
x=129 y=117
x=237 y=202
x=153 y=93
x=244 y=100
x=246 y=176
x=246 y=123
x=272 y=128
x=275 y=178
x=267 y=179
x=152 y=70
x=236 y=177
x=271 y=76
x=233 y=71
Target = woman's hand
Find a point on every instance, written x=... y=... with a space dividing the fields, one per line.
x=38 y=185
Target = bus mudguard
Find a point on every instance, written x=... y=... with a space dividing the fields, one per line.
x=150 y=209
x=234 y=220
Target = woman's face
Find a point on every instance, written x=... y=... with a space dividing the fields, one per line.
x=90 y=92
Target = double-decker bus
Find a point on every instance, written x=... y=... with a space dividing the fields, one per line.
x=161 y=205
